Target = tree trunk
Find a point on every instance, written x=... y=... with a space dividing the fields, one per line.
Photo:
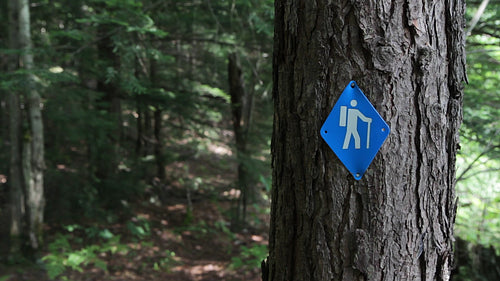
x=159 y=154
x=106 y=162
x=158 y=125
x=475 y=262
x=16 y=192
x=396 y=223
x=139 y=142
x=33 y=151
x=241 y=107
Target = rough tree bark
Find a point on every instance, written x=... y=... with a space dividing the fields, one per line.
x=396 y=223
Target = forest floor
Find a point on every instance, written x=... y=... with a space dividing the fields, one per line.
x=171 y=249
x=187 y=237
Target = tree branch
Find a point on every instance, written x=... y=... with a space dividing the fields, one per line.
x=471 y=165
x=477 y=16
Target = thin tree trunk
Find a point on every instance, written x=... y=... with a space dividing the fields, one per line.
x=107 y=163
x=396 y=223
x=139 y=141
x=158 y=125
x=148 y=132
x=241 y=115
x=477 y=16
x=33 y=159
x=159 y=154
x=139 y=104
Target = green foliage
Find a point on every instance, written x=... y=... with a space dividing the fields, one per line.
x=222 y=226
x=165 y=263
x=89 y=51
x=482 y=96
x=478 y=162
x=139 y=228
x=478 y=217
x=63 y=257
x=199 y=230
x=77 y=252
x=103 y=68
x=250 y=257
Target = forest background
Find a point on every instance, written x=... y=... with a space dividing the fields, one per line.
x=157 y=124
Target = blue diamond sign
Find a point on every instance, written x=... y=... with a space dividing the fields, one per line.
x=354 y=130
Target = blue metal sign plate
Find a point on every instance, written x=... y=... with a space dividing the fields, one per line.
x=354 y=130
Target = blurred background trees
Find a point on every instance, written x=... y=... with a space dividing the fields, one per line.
x=478 y=186
x=129 y=88
x=137 y=109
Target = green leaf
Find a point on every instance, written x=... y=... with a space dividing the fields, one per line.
x=101 y=264
x=106 y=234
x=55 y=269
x=213 y=91
x=75 y=259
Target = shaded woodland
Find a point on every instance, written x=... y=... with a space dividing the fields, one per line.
x=153 y=147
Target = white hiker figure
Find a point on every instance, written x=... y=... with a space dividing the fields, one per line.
x=352 y=125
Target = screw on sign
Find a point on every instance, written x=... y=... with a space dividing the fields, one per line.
x=354 y=130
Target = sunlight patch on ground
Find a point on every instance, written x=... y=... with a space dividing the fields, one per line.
x=177 y=207
x=232 y=193
x=220 y=149
x=167 y=235
x=200 y=269
x=197 y=271
x=257 y=238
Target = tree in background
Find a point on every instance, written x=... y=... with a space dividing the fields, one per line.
x=241 y=108
x=130 y=87
x=27 y=199
x=481 y=130
x=16 y=198
x=478 y=162
x=396 y=222
x=33 y=148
